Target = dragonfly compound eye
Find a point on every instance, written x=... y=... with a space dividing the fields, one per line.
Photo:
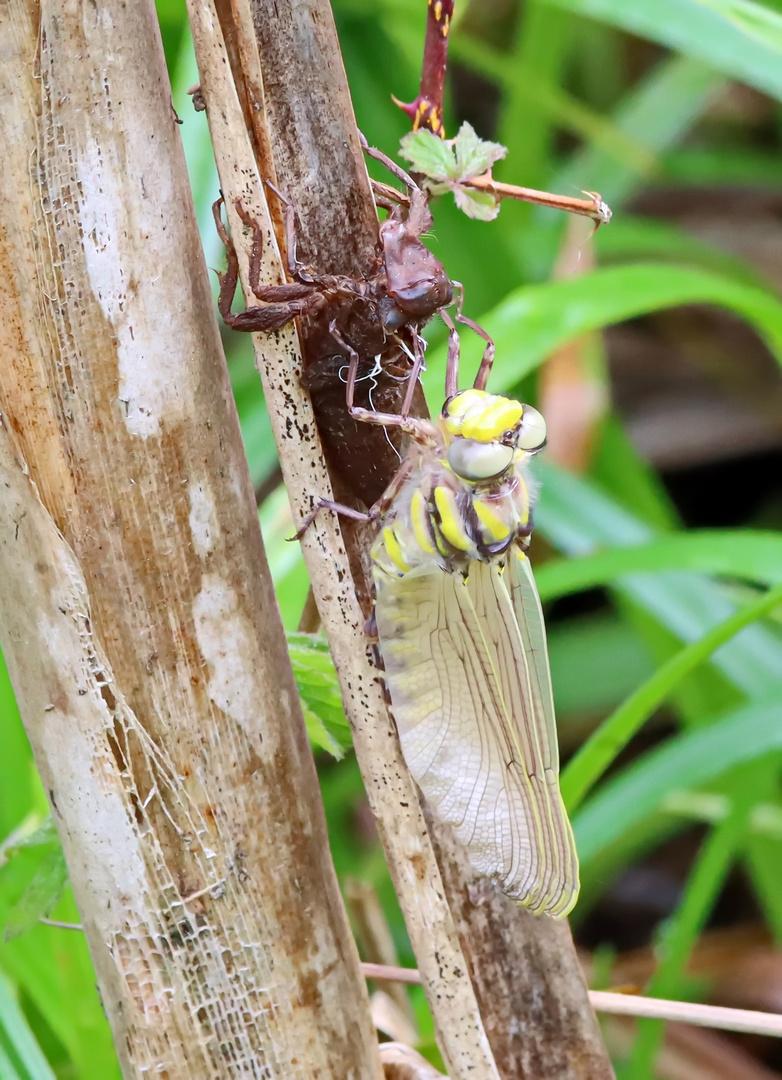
x=476 y=461
x=532 y=430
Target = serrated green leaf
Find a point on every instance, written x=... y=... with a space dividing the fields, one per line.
x=428 y=154
x=474 y=156
x=446 y=162
x=481 y=205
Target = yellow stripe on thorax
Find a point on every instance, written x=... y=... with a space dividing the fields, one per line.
x=419 y=517
x=451 y=525
x=394 y=549
x=495 y=526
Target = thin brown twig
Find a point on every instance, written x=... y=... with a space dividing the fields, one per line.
x=593 y=207
x=684 y=1012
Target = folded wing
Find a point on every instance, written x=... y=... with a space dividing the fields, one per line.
x=467 y=669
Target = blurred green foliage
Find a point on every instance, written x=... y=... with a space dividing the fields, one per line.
x=607 y=95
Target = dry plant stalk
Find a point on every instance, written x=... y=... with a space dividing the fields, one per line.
x=528 y=992
x=136 y=612
x=390 y=788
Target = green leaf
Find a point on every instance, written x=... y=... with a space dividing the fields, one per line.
x=747 y=555
x=533 y=321
x=738 y=37
x=567 y=111
x=658 y=111
x=44 y=835
x=578 y=517
x=683 y=762
x=677 y=936
x=481 y=205
x=596 y=661
x=316 y=679
x=20 y=1054
x=636 y=238
x=428 y=154
x=460 y=158
x=474 y=156
x=599 y=752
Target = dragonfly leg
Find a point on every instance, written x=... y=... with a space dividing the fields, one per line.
x=415 y=374
x=488 y=353
x=375 y=511
x=452 y=366
x=257 y=248
x=282 y=303
x=295 y=268
x=336 y=508
x=393 y=168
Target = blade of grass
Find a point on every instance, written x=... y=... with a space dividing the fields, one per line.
x=598 y=753
x=764 y=863
x=578 y=517
x=632 y=237
x=747 y=555
x=681 y=931
x=535 y=320
x=686 y=761
x=541 y=50
x=659 y=111
x=566 y=111
x=20 y=1039
x=20 y=789
x=740 y=38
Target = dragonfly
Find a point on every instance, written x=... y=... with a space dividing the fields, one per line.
x=462 y=638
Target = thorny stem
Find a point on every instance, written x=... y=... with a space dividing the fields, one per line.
x=427 y=109
x=593 y=207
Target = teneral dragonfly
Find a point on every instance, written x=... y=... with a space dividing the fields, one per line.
x=463 y=642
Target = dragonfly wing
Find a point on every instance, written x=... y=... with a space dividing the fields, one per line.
x=467 y=696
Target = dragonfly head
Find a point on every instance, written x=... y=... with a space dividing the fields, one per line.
x=487 y=431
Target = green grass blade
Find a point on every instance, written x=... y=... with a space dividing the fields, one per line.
x=535 y=320
x=577 y=517
x=740 y=38
x=566 y=111
x=747 y=555
x=680 y=933
x=541 y=51
x=596 y=661
x=598 y=753
x=658 y=111
x=20 y=1043
x=639 y=238
x=764 y=864
x=685 y=761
